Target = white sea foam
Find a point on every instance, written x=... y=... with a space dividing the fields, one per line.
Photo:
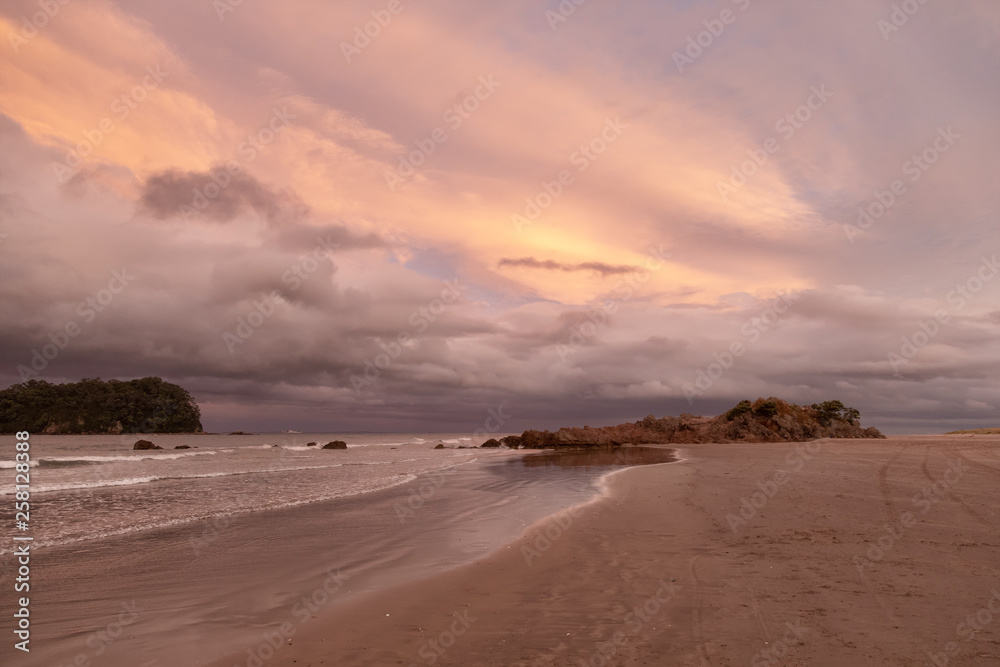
x=10 y=464
x=379 y=485
x=145 y=479
x=129 y=457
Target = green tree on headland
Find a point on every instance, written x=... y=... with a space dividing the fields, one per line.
x=830 y=410
x=147 y=405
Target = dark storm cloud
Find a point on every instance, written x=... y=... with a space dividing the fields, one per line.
x=551 y=265
x=217 y=195
x=305 y=237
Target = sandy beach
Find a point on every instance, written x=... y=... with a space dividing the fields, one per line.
x=874 y=552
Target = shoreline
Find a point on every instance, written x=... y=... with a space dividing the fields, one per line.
x=540 y=550
x=204 y=586
x=655 y=571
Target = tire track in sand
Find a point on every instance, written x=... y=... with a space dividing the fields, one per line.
x=951 y=494
x=883 y=483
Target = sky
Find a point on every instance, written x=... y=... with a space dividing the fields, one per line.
x=389 y=215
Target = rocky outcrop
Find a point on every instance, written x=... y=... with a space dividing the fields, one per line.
x=145 y=444
x=310 y=444
x=335 y=444
x=492 y=442
x=185 y=447
x=439 y=446
x=764 y=420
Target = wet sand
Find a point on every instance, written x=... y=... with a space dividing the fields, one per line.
x=187 y=594
x=874 y=552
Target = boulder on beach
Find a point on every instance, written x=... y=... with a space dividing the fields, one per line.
x=145 y=444
x=335 y=444
x=439 y=446
x=492 y=442
x=310 y=444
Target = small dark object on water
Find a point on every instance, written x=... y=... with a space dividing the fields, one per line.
x=335 y=444
x=145 y=444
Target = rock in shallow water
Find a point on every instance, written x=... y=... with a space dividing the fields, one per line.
x=335 y=444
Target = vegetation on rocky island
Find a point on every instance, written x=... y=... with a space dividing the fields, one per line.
x=147 y=405
x=763 y=420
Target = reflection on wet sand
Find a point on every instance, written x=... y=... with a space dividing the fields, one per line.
x=619 y=456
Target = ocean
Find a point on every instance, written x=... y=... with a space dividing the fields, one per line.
x=209 y=544
x=95 y=486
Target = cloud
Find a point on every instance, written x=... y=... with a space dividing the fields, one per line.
x=358 y=264
x=217 y=195
x=552 y=265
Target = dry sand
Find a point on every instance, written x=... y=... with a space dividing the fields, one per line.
x=655 y=573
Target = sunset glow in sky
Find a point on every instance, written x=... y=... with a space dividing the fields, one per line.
x=582 y=213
